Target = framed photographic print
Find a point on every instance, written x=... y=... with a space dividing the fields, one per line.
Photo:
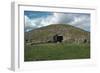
x=49 y=36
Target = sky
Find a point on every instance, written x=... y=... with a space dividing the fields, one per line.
x=36 y=19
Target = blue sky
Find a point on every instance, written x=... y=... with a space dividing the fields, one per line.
x=36 y=14
x=36 y=19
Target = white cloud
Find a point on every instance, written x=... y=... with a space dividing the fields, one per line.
x=78 y=20
x=28 y=25
x=82 y=21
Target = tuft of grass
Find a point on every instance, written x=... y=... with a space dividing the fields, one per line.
x=56 y=51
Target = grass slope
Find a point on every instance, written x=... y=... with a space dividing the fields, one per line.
x=46 y=33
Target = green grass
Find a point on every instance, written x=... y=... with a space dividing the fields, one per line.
x=56 y=51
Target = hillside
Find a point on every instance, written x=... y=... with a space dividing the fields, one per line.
x=45 y=34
